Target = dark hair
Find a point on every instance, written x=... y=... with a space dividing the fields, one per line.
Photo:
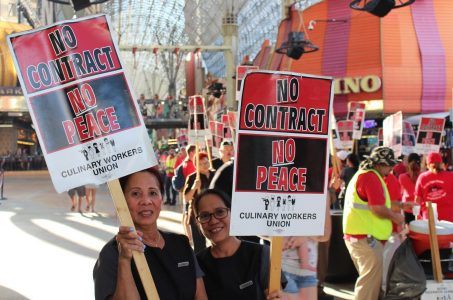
x=226 y=143
x=190 y=148
x=153 y=170
x=413 y=157
x=224 y=197
x=354 y=160
x=202 y=155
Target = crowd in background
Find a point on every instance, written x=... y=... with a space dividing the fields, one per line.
x=168 y=108
x=22 y=161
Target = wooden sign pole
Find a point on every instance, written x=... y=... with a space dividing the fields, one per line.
x=275 y=264
x=333 y=155
x=435 y=256
x=125 y=219
x=208 y=150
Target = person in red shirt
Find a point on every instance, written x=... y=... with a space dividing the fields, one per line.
x=180 y=157
x=188 y=165
x=400 y=168
x=435 y=185
x=366 y=196
x=407 y=182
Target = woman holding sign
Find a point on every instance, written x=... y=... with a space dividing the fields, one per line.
x=234 y=269
x=171 y=260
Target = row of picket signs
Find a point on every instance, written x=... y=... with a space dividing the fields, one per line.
x=395 y=133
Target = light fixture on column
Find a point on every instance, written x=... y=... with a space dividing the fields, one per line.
x=379 y=8
x=296 y=45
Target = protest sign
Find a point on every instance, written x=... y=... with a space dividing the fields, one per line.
x=80 y=102
x=393 y=132
x=380 y=137
x=335 y=136
x=356 y=113
x=227 y=132
x=345 y=129
x=232 y=117
x=85 y=116
x=281 y=189
x=429 y=135
x=182 y=138
x=217 y=136
x=408 y=141
x=240 y=73
x=198 y=124
x=438 y=291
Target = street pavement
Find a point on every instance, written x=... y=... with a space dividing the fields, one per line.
x=48 y=252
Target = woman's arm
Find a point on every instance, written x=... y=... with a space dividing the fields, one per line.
x=200 y=293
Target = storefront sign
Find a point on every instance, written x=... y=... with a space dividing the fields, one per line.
x=355 y=85
x=10 y=91
x=280 y=175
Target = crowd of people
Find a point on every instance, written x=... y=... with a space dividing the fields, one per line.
x=376 y=195
x=168 y=108
x=22 y=160
x=383 y=196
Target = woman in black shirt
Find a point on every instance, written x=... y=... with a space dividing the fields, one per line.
x=234 y=269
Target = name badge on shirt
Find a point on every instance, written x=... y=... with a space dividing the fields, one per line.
x=245 y=284
x=183 y=264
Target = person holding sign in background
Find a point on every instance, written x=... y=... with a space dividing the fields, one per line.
x=193 y=187
x=226 y=151
x=234 y=269
x=171 y=259
x=407 y=182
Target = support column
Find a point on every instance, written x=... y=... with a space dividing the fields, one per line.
x=230 y=33
x=285 y=4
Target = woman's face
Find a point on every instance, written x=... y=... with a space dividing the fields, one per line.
x=216 y=229
x=143 y=198
x=204 y=165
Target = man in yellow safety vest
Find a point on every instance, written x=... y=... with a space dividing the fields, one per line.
x=367 y=220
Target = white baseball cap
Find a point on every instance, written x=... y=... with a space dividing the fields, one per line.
x=342 y=154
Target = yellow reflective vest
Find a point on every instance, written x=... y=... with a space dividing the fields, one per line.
x=357 y=216
x=170 y=165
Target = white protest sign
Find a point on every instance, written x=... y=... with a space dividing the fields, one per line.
x=198 y=123
x=280 y=171
x=345 y=129
x=429 y=135
x=408 y=140
x=393 y=132
x=89 y=126
x=438 y=291
x=356 y=113
x=335 y=135
x=240 y=73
